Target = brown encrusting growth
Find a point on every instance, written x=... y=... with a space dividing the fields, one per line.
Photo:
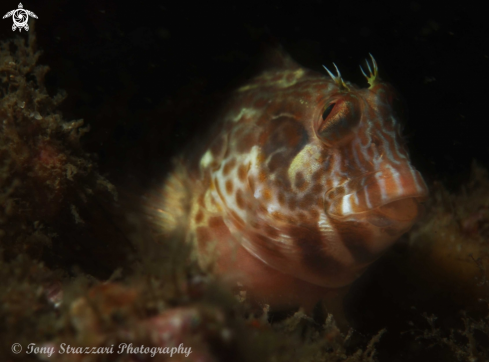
x=28 y=293
x=49 y=186
x=451 y=248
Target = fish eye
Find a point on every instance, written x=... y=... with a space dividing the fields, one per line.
x=328 y=110
x=338 y=120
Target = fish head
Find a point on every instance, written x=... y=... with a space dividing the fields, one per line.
x=323 y=183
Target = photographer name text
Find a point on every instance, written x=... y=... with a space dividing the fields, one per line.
x=127 y=348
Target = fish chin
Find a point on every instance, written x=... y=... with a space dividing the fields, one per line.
x=399 y=214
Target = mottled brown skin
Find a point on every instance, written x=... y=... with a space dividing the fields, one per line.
x=303 y=183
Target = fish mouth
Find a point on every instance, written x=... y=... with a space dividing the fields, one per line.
x=384 y=198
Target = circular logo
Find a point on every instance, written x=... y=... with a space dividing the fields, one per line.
x=20 y=18
x=16 y=348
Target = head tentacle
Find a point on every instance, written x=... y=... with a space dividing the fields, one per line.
x=337 y=78
x=372 y=78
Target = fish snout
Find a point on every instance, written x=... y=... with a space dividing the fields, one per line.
x=385 y=198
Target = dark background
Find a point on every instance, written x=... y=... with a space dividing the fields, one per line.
x=147 y=75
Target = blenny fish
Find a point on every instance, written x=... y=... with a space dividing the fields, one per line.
x=301 y=185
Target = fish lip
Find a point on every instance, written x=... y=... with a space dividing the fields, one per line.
x=370 y=192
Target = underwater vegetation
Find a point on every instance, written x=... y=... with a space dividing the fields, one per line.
x=69 y=275
x=450 y=248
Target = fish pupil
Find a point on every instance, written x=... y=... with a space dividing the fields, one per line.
x=328 y=110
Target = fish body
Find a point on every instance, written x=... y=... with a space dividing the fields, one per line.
x=304 y=182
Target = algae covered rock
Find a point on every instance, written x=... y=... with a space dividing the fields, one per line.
x=49 y=186
x=450 y=249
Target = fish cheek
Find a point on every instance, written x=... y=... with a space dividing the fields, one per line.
x=283 y=133
x=281 y=140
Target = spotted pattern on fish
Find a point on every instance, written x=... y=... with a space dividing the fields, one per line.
x=302 y=184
